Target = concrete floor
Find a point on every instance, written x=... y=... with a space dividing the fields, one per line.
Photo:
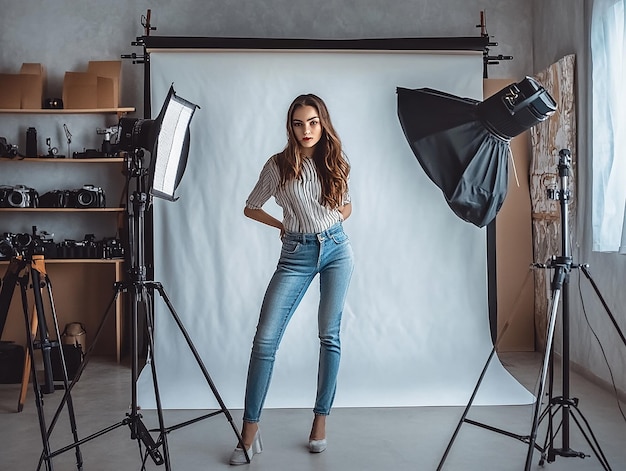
x=370 y=439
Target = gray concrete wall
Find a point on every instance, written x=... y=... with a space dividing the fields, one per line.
x=65 y=34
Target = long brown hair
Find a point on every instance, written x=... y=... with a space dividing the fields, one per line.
x=332 y=166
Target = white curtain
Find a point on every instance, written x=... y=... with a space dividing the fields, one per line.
x=608 y=48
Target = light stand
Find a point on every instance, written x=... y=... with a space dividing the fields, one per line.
x=143 y=301
x=167 y=138
x=567 y=405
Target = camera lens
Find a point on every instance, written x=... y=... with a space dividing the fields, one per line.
x=22 y=241
x=136 y=133
x=16 y=199
x=6 y=248
x=85 y=198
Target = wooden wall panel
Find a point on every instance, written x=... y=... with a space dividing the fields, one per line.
x=514 y=247
x=547 y=139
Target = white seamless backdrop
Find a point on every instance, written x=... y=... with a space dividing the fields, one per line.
x=415 y=329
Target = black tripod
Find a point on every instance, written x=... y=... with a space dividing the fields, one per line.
x=142 y=292
x=565 y=404
x=20 y=267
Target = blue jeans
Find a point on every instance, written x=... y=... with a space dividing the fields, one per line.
x=303 y=256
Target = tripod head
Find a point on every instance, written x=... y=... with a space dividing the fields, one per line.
x=563 y=195
x=565 y=159
x=24 y=245
x=564 y=166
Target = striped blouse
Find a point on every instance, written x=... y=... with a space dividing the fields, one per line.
x=300 y=198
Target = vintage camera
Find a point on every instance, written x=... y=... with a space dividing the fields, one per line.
x=12 y=245
x=89 y=196
x=6 y=149
x=112 y=248
x=109 y=148
x=18 y=196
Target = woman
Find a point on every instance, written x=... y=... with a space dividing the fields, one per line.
x=309 y=180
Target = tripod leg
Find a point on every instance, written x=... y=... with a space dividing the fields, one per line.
x=87 y=356
x=68 y=398
x=463 y=418
x=45 y=345
x=27 y=360
x=150 y=327
x=549 y=413
x=585 y=270
x=200 y=363
x=466 y=411
x=591 y=439
x=559 y=277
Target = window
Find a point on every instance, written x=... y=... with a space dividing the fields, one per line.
x=608 y=51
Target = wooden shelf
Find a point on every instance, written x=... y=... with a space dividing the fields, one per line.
x=47 y=160
x=117 y=261
x=74 y=111
x=63 y=210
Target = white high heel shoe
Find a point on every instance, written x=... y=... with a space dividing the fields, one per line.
x=239 y=457
x=317 y=446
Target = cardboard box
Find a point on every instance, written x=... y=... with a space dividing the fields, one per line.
x=83 y=90
x=111 y=70
x=33 y=78
x=10 y=91
x=99 y=87
x=106 y=93
x=80 y=91
x=23 y=90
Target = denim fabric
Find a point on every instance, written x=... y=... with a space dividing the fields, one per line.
x=303 y=256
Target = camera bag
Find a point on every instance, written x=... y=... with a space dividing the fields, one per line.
x=11 y=363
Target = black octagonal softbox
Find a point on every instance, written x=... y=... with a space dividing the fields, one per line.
x=463 y=144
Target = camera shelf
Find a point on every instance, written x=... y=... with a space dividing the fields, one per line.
x=78 y=275
x=43 y=160
x=65 y=210
x=54 y=261
x=119 y=111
